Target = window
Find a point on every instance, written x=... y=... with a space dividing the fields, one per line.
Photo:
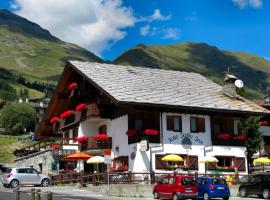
x=102 y=129
x=224 y=161
x=21 y=171
x=172 y=180
x=174 y=123
x=217 y=181
x=140 y=121
x=197 y=125
x=188 y=181
x=165 y=180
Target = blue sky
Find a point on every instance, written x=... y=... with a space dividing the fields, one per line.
x=241 y=25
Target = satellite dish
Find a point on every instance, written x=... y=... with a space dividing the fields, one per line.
x=238 y=83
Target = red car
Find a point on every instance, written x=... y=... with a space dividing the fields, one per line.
x=176 y=187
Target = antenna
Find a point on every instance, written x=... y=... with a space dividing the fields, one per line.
x=238 y=83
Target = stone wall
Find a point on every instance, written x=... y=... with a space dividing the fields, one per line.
x=43 y=158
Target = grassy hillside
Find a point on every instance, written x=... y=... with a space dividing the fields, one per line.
x=9 y=144
x=204 y=59
x=29 y=51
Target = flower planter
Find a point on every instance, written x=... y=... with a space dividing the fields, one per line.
x=80 y=107
x=239 y=137
x=224 y=136
x=72 y=86
x=82 y=138
x=101 y=137
x=152 y=132
x=54 y=120
x=67 y=114
x=264 y=123
x=55 y=146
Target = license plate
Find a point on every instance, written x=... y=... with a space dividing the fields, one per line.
x=188 y=190
x=220 y=188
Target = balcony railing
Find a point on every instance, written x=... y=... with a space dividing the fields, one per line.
x=96 y=144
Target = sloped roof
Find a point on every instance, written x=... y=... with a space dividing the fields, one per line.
x=141 y=85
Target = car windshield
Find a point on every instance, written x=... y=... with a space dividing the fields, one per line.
x=218 y=181
x=188 y=181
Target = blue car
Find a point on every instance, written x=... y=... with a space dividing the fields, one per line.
x=210 y=187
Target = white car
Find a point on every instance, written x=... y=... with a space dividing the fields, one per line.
x=13 y=177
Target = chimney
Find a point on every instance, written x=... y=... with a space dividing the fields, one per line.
x=229 y=87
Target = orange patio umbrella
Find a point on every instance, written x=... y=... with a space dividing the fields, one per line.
x=78 y=156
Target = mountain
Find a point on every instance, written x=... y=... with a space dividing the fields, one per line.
x=204 y=59
x=30 y=57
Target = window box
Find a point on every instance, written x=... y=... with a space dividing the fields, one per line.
x=67 y=114
x=72 y=86
x=80 y=107
x=55 y=146
x=54 y=120
x=239 y=137
x=120 y=168
x=101 y=137
x=82 y=138
x=224 y=136
x=153 y=132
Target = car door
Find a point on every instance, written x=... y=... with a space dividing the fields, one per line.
x=163 y=187
x=21 y=175
x=254 y=184
x=201 y=186
x=171 y=187
x=33 y=176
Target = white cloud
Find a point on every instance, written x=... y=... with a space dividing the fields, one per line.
x=171 y=33
x=248 y=3
x=192 y=17
x=145 y=30
x=156 y=16
x=166 y=33
x=92 y=24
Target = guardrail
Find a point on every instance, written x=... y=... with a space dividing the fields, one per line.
x=35 y=194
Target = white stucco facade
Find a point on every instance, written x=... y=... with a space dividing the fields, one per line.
x=170 y=142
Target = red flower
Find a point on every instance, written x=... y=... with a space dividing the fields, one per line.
x=107 y=152
x=131 y=132
x=151 y=132
x=67 y=114
x=239 y=137
x=72 y=86
x=101 y=137
x=55 y=146
x=81 y=106
x=224 y=136
x=82 y=138
x=122 y=168
x=54 y=120
x=264 y=123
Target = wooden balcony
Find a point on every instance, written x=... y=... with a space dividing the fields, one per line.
x=96 y=144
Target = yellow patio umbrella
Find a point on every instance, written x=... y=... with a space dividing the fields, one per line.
x=262 y=161
x=172 y=158
x=206 y=160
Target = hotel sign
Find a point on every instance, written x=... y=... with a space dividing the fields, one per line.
x=185 y=138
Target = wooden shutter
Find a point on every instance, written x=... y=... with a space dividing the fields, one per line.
x=201 y=125
x=169 y=123
x=240 y=164
x=210 y=166
x=193 y=162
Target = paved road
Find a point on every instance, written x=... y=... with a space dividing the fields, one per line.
x=69 y=193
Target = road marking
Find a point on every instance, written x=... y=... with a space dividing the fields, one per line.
x=70 y=199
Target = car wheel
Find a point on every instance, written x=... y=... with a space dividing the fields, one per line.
x=14 y=183
x=243 y=192
x=156 y=195
x=175 y=197
x=206 y=196
x=45 y=182
x=6 y=185
x=266 y=194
